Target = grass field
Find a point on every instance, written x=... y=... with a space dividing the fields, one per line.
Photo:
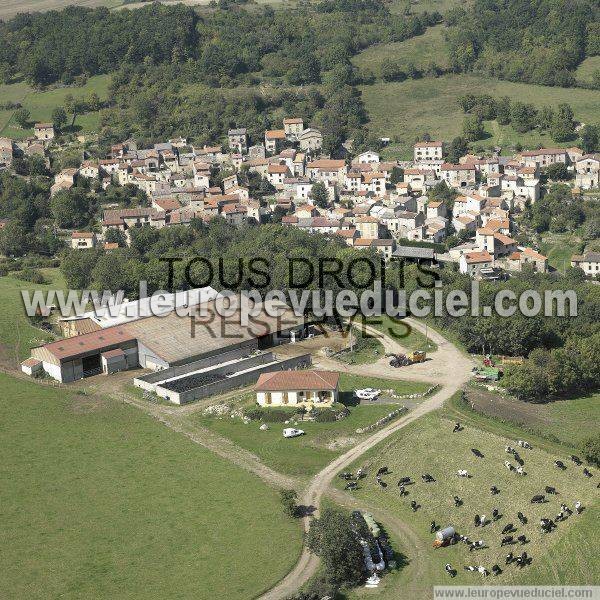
x=407 y=110
x=429 y=446
x=17 y=335
x=41 y=104
x=419 y=6
x=569 y=421
x=420 y=51
x=9 y=8
x=559 y=248
x=586 y=69
x=100 y=501
x=307 y=454
x=406 y=336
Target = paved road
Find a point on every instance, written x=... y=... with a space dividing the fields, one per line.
x=449 y=368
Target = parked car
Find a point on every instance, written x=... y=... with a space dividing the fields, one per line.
x=367 y=393
x=290 y=432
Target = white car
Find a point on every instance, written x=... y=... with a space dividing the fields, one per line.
x=290 y=432
x=367 y=393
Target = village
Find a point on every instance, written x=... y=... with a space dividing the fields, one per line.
x=389 y=206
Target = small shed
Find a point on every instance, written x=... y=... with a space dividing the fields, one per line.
x=31 y=366
x=113 y=361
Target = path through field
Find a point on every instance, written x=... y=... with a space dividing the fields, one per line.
x=452 y=372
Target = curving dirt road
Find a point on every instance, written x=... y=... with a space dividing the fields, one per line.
x=450 y=369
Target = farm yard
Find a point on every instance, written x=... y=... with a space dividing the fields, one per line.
x=94 y=491
x=323 y=441
x=430 y=446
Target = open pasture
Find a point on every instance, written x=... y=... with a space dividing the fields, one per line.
x=430 y=446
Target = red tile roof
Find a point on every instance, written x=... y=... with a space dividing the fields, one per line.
x=89 y=342
x=297 y=380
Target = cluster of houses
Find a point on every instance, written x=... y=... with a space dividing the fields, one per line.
x=371 y=203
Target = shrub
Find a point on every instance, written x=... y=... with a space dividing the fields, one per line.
x=32 y=275
x=268 y=415
x=591 y=450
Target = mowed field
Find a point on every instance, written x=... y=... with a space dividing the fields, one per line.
x=567 y=556
x=406 y=111
x=9 y=8
x=420 y=51
x=559 y=248
x=17 y=334
x=41 y=104
x=100 y=501
x=586 y=69
x=309 y=453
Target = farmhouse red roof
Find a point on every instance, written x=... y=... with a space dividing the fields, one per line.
x=89 y=342
x=297 y=380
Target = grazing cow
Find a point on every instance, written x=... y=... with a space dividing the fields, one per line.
x=550 y=490
x=448 y=568
x=520 y=470
x=522 y=518
x=463 y=473
x=427 y=478
x=587 y=473
x=477 y=453
x=523 y=560
x=560 y=516
x=560 y=464
x=414 y=505
x=519 y=460
x=508 y=528
x=578 y=507
x=433 y=527
x=483 y=521
x=494 y=490
x=524 y=444
x=496 y=570
x=522 y=539
x=564 y=508
x=403 y=491
x=547 y=525
x=509 y=466
x=346 y=476
x=495 y=514
x=457 y=501
x=404 y=481
x=351 y=485
x=477 y=520
x=383 y=484
x=575 y=459
x=382 y=471
x=359 y=474
x=509 y=450
x=464 y=539
x=476 y=545
x=457 y=427
x=483 y=571
x=470 y=568
x=507 y=540
x=509 y=558
x=538 y=499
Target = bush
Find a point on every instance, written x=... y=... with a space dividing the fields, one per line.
x=32 y=275
x=268 y=415
x=591 y=450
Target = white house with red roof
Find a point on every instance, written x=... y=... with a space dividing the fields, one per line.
x=297 y=388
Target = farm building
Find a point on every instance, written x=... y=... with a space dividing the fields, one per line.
x=170 y=340
x=281 y=388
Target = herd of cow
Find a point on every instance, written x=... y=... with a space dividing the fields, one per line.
x=546 y=524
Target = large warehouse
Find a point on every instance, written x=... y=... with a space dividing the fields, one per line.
x=161 y=342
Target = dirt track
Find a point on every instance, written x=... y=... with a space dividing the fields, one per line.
x=451 y=369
